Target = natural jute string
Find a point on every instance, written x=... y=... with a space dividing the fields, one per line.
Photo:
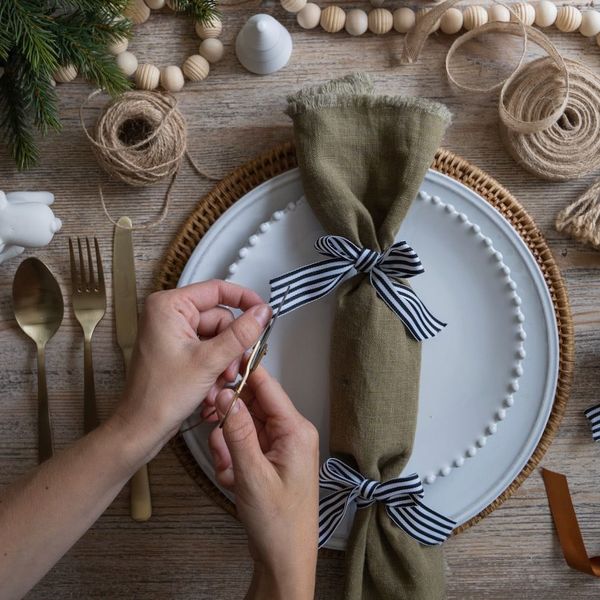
x=140 y=138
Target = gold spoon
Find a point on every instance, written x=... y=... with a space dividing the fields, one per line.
x=38 y=306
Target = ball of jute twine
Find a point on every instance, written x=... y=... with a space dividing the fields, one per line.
x=140 y=138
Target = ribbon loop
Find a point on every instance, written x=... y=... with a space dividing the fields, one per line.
x=401 y=496
x=385 y=271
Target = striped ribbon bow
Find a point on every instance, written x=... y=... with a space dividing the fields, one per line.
x=402 y=497
x=593 y=416
x=316 y=280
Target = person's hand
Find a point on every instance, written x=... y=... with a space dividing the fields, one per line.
x=270 y=460
x=187 y=344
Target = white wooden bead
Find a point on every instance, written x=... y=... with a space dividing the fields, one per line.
x=147 y=77
x=65 y=74
x=118 y=46
x=422 y=12
x=212 y=29
x=545 y=13
x=404 y=19
x=212 y=50
x=498 y=13
x=333 y=19
x=357 y=22
x=590 y=23
x=293 y=6
x=171 y=79
x=524 y=11
x=137 y=11
x=155 y=4
x=474 y=16
x=196 y=68
x=451 y=21
x=380 y=21
x=568 y=19
x=127 y=62
x=309 y=16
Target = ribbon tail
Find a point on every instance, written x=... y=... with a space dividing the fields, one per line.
x=332 y=509
x=405 y=303
x=593 y=416
x=307 y=284
x=423 y=524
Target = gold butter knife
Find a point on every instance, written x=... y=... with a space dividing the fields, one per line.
x=126 y=320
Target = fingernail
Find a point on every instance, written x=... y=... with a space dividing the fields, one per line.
x=262 y=314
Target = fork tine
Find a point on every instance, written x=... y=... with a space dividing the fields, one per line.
x=99 y=265
x=74 y=274
x=81 y=266
x=90 y=264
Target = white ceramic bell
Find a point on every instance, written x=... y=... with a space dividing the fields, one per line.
x=26 y=221
x=263 y=45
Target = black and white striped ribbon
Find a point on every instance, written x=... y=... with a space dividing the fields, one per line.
x=593 y=416
x=402 y=497
x=316 y=280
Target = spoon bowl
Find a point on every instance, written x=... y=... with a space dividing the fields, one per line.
x=39 y=308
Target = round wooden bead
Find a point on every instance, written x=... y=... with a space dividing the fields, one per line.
x=474 y=16
x=498 y=13
x=380 y=21
x=293 y=6
x=147 y=77
x=357 y=22
x=568 y=19
x=196 y=68
x=65 y=74
x=212 y=50
x=590 y=23
x=451 y=21
x=212 y=29
x=309 y=16
x=524 y=11
x=545 y=13
x=118 y=46
x=404 y=19
x=422 y=12
x=137 y=11
x=127 y=62
x=155 y=4
x=171 y=79
x=333 y=19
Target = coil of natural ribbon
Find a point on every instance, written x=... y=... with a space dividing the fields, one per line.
x=141 y=139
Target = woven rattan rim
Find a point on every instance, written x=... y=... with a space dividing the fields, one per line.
x=283 y=158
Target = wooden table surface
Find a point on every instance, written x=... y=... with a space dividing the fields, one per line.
x=191 y=548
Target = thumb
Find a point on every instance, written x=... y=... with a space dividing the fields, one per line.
x=236 y=338
x=239 y=432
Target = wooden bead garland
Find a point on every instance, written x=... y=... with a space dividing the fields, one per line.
x=170 y=78
x=65 y=74
x=543 y=14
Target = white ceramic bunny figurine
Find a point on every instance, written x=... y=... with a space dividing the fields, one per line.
x=26 y=220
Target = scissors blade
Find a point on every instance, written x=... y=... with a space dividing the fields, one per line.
x=267 y=332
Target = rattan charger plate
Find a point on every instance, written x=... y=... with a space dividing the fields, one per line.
x=283 y=158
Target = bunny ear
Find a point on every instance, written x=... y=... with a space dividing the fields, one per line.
x=46 y=198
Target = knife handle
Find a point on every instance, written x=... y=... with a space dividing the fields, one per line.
x=140 y=500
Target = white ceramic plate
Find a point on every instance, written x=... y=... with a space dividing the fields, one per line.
x=487 y=380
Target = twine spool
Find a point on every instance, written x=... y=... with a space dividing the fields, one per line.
x=140 y=138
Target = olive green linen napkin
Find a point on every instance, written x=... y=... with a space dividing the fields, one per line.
x=362 y=159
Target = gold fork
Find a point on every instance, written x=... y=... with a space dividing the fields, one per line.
x=89 y=306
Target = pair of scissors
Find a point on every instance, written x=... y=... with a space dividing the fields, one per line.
x=257 y=353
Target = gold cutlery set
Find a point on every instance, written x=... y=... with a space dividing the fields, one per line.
x=38 y=307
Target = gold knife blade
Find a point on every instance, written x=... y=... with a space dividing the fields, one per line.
x=126 y=320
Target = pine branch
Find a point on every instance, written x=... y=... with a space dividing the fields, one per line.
x=15 y=126
x=202 y=11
